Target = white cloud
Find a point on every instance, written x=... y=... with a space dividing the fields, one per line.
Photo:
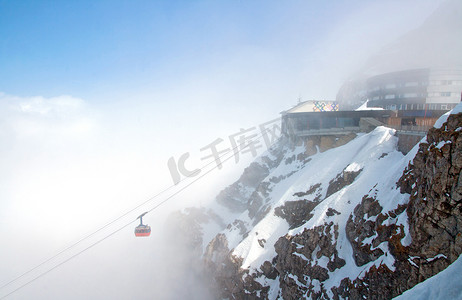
x=53 y=106
x=34 y=117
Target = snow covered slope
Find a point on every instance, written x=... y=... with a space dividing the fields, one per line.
x=317 y=191
x=357 y=220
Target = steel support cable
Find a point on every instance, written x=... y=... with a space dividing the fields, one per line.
x=120 y=217
x=66 y=260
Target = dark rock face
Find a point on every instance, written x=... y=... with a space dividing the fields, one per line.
x=434 y=214
x=298 y=212
x=358 y=229
x=436 y=196
x=330 y=212
x=312 y=190
x=269 y=270
x=296 y=255
x=340 y=181
x=435 y=205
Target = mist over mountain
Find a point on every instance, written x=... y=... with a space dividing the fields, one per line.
x=436 y=43
x=98 y=100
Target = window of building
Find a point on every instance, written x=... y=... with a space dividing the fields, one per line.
x=390 y=96
x=390 y=86
x=445 y=94
x=411 y=83
x=410 y=95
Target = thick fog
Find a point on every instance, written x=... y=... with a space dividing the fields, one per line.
x=95 y=98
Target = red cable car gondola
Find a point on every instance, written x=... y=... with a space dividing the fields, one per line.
x=142 y=230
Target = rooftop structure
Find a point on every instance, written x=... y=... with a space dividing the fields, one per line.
x=314 y=106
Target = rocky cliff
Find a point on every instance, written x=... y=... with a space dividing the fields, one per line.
x=355 y=221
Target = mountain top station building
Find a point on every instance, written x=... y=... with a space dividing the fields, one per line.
x=418 y=89
x=414 y=89
x=409 y=101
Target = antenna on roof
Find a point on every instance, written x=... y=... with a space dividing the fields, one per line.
x=299 y=99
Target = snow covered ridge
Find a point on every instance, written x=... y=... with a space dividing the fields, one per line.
x=359 y=220
x=302 y=237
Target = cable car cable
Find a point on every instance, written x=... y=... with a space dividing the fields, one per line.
x=118 y=218
x=108 y=224
x=66 y=260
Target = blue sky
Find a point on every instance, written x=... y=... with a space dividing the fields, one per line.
x=206 y=68
x=87 y=48
x=193 y=63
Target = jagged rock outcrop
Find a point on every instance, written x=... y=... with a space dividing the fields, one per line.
x=435 y=205
x=341 y=180
x=298 y=212
x=305 y=259
x=436 y=192
x=434 y=215
x=359 y=228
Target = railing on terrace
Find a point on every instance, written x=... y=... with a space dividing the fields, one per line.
x=404 y=129
x=411 y=129
x=327 y=131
